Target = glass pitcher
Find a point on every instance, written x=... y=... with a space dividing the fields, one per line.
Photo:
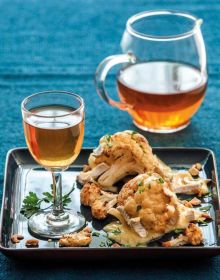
x=163 y=78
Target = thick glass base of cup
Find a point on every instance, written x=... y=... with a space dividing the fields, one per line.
x=162 y=130
x=47 y=225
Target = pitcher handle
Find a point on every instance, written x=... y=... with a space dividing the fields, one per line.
x=102 y=71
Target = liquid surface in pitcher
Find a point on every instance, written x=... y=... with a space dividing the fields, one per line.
x=54 y=142
x=161 y=94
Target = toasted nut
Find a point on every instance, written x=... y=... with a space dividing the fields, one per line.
x=32 y=243
x=193 y=202
x=116 y=245
x=16 y=238
x=194 y=171
x=86 y=168
x=198 y=166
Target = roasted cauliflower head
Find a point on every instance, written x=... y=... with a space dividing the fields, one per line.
x=119 y=155
x=148 y=206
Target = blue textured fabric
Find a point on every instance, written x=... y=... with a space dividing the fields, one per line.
x=57 y=45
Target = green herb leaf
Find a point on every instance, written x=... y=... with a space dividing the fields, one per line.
x=207 y=195
x=160 y=180
x=141 y=245
x=178 y=230
x=126 y=245
x=203 y=223
x=134 y=132
x=102 y=244
x=141 y=190
x=31 y=205
x=116 y=231
x=143 y=149
x=205 y=208
x=109 y=242
x=48 y=197
x=107 y=139
x=140 y=184
x=95 y=233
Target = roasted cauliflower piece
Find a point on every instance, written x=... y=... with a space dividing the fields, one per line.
x=183 y=182
x=89 y=193
x=193 y=202
x=77 y=239
x=150 y=208
x=119 y=155
x=101 y=206
x=192 y=235
x=99 y=201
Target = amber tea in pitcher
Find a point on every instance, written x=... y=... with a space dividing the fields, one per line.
x=161 y=94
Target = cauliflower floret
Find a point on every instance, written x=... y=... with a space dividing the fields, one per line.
x=101 y=205
x=122 y=154
x=192 y=235
x=77 y=239
x=89 y=193
x=99 y=201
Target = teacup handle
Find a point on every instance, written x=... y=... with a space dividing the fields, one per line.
x=102 y=71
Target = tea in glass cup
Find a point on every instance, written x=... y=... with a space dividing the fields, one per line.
x=54 y=128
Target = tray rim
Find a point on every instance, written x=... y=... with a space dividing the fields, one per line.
x=82 y=249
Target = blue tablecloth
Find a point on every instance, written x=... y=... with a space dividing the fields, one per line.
x=54 y=44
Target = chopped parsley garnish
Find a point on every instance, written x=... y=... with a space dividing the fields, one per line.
x=109 y=243
x=203 y=223
x=116 y=231
x=208 y=194
x=107 y=139
x=205 y=208
x=178 y=230
x=140 y=187
x=141 y=245
x=126 y=245
x=133 y=133
x=143 y=149
x=160 y=180
x=95 y=233
x=102 y=244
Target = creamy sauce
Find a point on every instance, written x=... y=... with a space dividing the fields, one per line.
x=126 y=236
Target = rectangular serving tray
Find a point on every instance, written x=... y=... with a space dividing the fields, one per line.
x=23 y=174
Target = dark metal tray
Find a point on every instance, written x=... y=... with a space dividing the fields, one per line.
x=22 y=174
